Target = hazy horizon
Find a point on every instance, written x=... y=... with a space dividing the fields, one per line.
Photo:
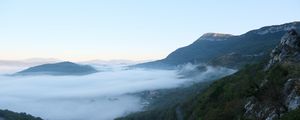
x=34 y=59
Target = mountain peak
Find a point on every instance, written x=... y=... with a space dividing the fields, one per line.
x=215 y=36
x=287 y=50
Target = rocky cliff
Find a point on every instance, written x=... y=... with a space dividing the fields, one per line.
x=288 y=49
x=287 y=53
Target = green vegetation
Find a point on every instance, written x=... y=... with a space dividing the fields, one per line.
x=9 y=115
x=293 y=115
x=171 y=97
x=163 y=106
x=225 y=98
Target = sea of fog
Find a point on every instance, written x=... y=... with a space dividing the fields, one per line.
x=100 y=96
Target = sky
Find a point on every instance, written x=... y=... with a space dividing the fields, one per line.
x=79 y=30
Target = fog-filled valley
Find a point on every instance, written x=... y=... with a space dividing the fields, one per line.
x=105 y=95
x=261 y=69
x=149 y=60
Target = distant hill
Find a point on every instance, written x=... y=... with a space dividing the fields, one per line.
x=214 y=48
x=61 y=68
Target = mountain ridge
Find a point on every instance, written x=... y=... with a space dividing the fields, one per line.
x=204 y=51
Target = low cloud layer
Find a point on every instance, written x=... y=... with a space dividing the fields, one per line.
x=100 y=96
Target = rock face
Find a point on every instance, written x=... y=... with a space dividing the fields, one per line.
x=256 y=110
x=62 y=68
x=291 y=94
x=287 y=50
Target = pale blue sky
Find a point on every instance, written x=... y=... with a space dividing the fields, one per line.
x=126 y=29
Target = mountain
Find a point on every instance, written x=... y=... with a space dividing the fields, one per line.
x=212 y=48
x=61 y=68
x=269 y=90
